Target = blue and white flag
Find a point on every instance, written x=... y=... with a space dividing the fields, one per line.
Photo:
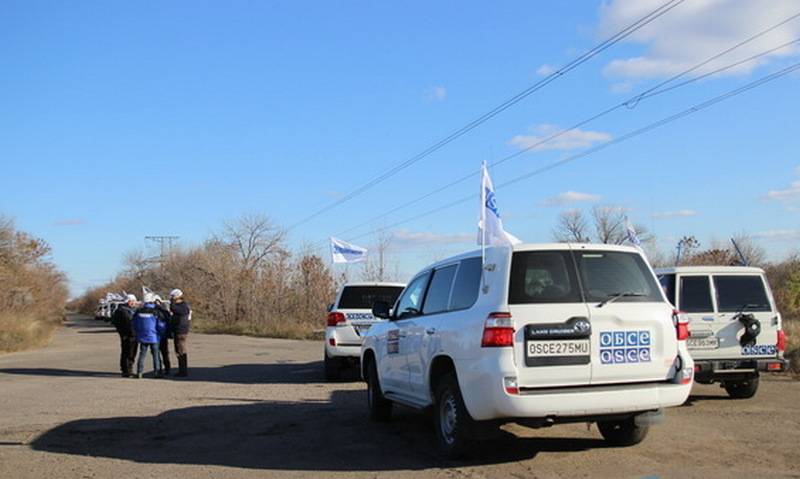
x=630 y=234
x=490 y=226
x=344 y=252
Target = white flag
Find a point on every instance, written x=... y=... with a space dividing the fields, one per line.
x=490 y=226
x=344 y=252
x=630 y=233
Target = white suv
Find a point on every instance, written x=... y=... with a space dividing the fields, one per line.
x=349 y=317
x=736 y=329
x=541 y=334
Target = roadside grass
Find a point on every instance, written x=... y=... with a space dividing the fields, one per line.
x=283 y=330
x=792 y=329
x=19 y=332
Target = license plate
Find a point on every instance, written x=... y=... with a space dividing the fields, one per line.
x=572 y=347
x=703 y=343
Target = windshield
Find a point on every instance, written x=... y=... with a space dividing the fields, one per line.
x=572 y=277
x=363 y=297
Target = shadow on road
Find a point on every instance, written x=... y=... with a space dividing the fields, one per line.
x=704 y=397
x=280 y=373
x=304 y=435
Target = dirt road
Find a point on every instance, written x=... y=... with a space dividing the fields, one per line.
x=259 y=408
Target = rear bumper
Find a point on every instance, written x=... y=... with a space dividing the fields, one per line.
x=713 y=371
x=336 y=347
x=560 y=404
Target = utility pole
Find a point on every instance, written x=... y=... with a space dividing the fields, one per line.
x=165 y=245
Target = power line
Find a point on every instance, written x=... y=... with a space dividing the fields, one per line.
x=652 y=126
x=616 y=38
x=631 y=102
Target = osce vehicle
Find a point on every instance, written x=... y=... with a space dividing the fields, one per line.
x=349 y=317
x=735 y=328
x=536 y=334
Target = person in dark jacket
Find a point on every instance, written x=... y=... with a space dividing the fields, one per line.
x=148 y=329
x=122 y=320
x=165 y=317
x=181 y=323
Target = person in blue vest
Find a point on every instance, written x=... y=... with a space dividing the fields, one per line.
x=149 y=328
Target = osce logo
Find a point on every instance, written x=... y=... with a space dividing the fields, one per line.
x=760 y=350
x=619 y=347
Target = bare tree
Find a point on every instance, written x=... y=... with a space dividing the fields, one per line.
x=571 y=227
x=375 y=267
x=609 y=224
x=254 y=238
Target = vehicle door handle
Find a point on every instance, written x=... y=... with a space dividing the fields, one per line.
x=430 y=331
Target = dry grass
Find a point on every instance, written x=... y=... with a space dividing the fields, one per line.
x=25 y=332
x=792 y=329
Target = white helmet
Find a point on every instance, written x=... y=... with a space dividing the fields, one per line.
x=175 y=293
x=149 y=298
x=130 y=297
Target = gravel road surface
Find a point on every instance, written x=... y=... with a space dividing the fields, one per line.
x=256 y=407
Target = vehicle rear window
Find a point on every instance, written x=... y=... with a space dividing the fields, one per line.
x=696 y=295
x=605 y=274
x=543 y=277
x=467 y=285
x=363 y=297
x=439 y=290
x=736 y=292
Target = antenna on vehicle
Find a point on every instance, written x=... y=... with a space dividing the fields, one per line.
x=742 y=257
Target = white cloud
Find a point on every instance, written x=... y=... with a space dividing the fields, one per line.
x=569 y=197
x=675 y=214
x=545 y=70
x=406 y=238
x=793 y=191
x=696 y=30
x=70 y=222
x=570 y=140
x=436 y=94
x=778 y=235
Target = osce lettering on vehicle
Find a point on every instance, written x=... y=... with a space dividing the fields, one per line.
x=624 y=347
x=392 y=341
x=358 y=316
x=760 y=350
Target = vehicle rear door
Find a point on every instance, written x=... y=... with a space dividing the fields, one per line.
x=355 y=302
x=633 y=338
x=552 y=338
x=695 y=298
x=750 y=295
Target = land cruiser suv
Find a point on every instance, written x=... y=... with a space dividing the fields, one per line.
x=349 y=317
x=735 y=328
x=533 y=334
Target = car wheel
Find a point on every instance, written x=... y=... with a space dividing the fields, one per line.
x=451 y=419
x=622 y=433
x=380 y=408
x=333 y=368
x=742 y=389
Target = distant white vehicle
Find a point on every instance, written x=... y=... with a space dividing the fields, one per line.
x=538 y=335
x=736 y=329
x=349 y=317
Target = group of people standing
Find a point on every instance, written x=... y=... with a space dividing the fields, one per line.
x=149 y=327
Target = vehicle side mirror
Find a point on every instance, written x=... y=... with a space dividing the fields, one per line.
x=381 y=309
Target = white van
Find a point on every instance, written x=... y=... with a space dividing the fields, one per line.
x=540 y=334
x=735 y=328
x=349 y=317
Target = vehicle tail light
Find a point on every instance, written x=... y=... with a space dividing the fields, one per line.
x=332 y=342
x=498 y=331
x=781 y=344
x=510 y=385
x=774 y=367
x=335 y=318
x=681 y=322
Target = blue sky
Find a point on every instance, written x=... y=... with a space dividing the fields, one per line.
x=122 y=119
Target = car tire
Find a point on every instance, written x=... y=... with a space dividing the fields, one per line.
x=451 y=420
x=622 y=433
x=380 y=408
x=333 y=368
x=742 y=389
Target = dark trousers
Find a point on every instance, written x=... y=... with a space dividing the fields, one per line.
x=127 y=354
x=163 y=346
x=180 y=351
